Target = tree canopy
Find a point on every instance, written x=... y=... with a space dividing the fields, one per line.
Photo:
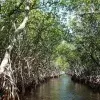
x=39 y=38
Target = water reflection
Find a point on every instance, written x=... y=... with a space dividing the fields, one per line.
x=62 y=89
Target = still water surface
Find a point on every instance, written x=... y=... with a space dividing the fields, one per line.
x=62 y=89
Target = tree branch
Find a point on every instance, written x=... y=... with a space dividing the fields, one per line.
x=88 y=13
x=5 y=61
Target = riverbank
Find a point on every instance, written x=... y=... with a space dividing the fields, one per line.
x=62 y=88
x=92 y=82
x=27 y=87
x=34 y=84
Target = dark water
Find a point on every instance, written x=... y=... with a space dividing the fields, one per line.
x=62 y=89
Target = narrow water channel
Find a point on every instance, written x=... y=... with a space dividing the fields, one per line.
x=62 y=89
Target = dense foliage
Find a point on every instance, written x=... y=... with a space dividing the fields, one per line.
x=33 y=46
x=59 y=35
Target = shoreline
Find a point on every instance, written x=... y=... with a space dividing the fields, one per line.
x=92 y=82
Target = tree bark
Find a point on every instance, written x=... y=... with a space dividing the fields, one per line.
x=5 y=67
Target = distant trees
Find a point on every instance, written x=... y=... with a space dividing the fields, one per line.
x=85 y=29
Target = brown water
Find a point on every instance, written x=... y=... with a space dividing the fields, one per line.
x=62 y=89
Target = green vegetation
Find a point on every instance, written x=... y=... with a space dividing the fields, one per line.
x=39 y=38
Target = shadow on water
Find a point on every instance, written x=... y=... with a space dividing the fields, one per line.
x=62 y=89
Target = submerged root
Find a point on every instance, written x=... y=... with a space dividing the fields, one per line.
x=8 y=87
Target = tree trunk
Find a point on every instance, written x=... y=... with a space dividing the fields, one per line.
x=5 y=67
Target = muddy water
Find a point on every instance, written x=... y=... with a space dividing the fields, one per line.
x=62 y=89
